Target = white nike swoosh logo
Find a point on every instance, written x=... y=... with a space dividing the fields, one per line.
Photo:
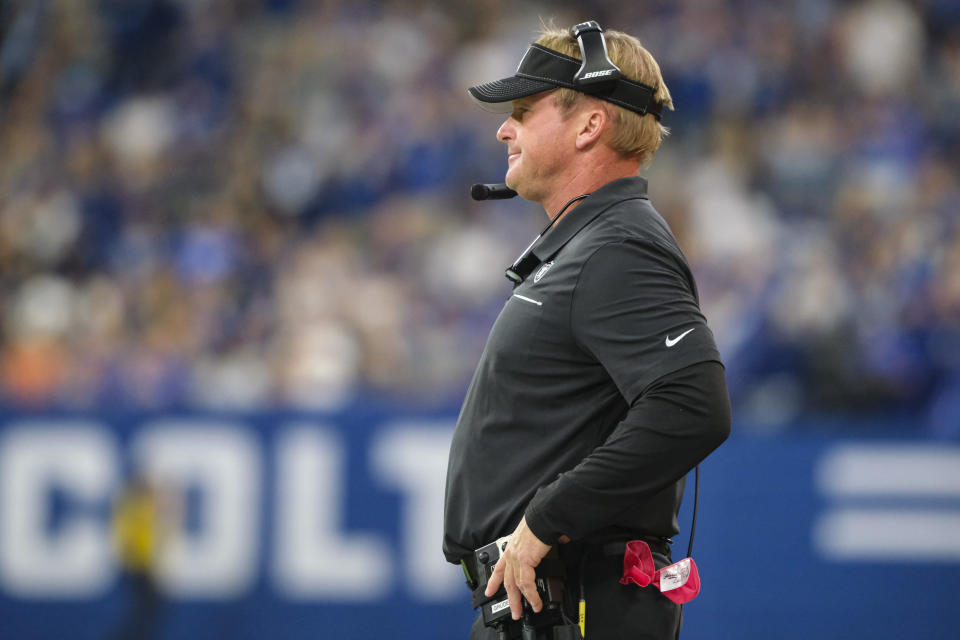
x=525 y=298
x=672 y=341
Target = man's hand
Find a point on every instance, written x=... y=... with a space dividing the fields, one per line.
x=516 y=569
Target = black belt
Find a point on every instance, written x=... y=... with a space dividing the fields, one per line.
x=619 y=547
x=472 y=569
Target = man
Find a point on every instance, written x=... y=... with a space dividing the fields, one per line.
x=600 y=385
x=140 y=527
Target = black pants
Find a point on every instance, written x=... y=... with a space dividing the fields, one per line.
x=614 y=611
x=142 y=617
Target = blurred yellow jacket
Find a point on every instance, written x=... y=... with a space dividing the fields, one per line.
x=136 y=522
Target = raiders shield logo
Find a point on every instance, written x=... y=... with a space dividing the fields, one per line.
x=542 y=271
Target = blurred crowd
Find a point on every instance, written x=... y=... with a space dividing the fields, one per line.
x=264 y=203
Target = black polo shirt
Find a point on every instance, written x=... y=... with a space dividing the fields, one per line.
x=611 y=309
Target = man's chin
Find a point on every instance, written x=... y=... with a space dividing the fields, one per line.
x=522 y=188
x=514 y=183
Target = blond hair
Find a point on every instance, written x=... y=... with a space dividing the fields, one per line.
x=632 y=134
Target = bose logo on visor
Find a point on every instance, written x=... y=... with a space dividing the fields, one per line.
x=594 y=74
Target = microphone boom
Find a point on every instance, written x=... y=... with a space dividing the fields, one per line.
x=491 y=192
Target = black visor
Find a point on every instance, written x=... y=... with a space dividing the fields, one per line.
x=544 y=69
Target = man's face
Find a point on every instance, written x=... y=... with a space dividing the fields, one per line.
x=539 y=143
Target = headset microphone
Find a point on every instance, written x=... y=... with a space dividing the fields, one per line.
x=491 y=192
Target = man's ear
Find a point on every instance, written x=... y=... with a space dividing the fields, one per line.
x=592 y=122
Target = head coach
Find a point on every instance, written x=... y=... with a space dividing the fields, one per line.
x=600 y=386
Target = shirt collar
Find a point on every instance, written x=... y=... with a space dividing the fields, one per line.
x=587 y=211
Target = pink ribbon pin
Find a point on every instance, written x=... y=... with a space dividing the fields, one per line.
x=680 y=581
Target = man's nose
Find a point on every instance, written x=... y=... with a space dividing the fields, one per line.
x=506 y=131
